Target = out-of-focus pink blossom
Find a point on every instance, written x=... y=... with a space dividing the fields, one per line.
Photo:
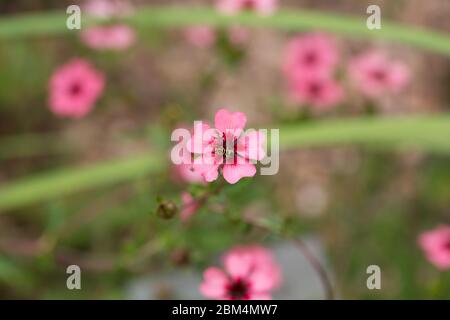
x=263 y=7
x=200 y=36
x=226 y=147
x=436 y=245
x=114 y=37
x=319 y=91
x=310 y=55
x=106 y=9
x=189 y=206
x=374 y=74
x=250 y=273
x=74 y=89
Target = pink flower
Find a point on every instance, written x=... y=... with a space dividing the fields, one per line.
x=200 y=36
x=375 y=75
x=226 y=147
x=436 y=245
x=250 y=274
x=263 y=7
x=74 y=89
x=115 y=37
x=319 y=91
x=310 y=55
x=190 y=206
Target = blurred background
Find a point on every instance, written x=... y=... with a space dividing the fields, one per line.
x=88 y=189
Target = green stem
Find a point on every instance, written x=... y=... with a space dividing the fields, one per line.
x=47 y=23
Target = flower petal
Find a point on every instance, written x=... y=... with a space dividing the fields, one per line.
x=214 y=283
x=232 y=173
x=251 y=145
x=238 y=264
x=227 y=121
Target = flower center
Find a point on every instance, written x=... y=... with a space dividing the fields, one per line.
x=379 y=75
x=315 y=89
x=310 y=58
x=75 y=88
x=447 y=245
x=228 y=150
x=248 y=4
x=238 y=289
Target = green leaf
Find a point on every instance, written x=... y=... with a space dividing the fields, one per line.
x=293 y=20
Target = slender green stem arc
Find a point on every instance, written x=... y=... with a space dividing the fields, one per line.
x=49 y=23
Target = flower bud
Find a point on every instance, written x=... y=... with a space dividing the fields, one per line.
x=167 y=209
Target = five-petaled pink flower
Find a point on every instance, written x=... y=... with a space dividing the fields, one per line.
x=250 y=273
x=436 y=245
x=374 y=74
x=226 y=147
x=114 y=37
x=310 y=55
x=321 y=92
x=263 y=7
x=74 y=89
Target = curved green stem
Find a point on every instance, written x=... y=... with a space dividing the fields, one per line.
x=292 y=20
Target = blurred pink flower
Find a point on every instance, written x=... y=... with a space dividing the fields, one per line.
x=310 y=55
x=114 y=37
x=74 y=88
x=250 y=273
x=189 y=206
x=200 y=36
x=375 y=75
x=263 y=7
x=105 y=9
x=320 y=91
x=436 y=245
x=225 y=146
